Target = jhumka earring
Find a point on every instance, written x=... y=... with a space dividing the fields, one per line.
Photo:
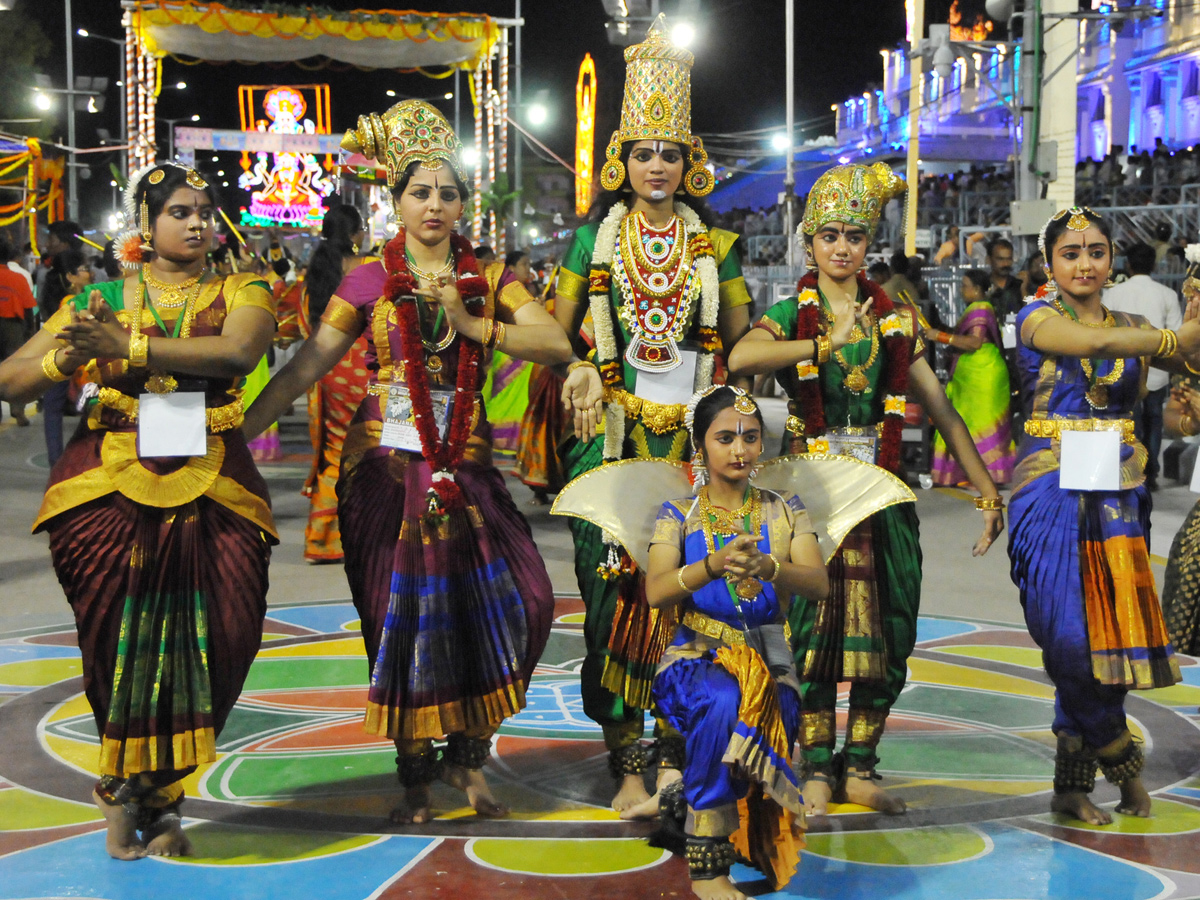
x=699 y=471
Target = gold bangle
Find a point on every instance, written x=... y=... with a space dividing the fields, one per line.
x=1168 y=344
x=1188 y=425
x=499 y=335
x=1187 y=365
x=682 y=585
x=824 y=345
x=139 y=350
x=485 y=337
x=580 y=362
x=50 y=367
x=989 y=503
x=774 y=574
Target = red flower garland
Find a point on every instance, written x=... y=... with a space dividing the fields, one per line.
x=897 y=357
x=443 y=456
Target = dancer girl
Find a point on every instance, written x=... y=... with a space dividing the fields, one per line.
x=847 y=359
x=162 y=550
x=731 y=559
x=454 y=599
x=664 y=290
x=1080 y=557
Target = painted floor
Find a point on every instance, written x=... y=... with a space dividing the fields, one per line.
x=299 y=797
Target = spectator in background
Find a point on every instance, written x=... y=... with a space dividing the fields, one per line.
x=879 y=273
x=1005 y=293
x=63 y=236
x=69 y=275
x=15 y=263
x=486 y=256
x=17 y=314
x=1033 y=276
x=898 y=287
x=1162 y=242
x=222 y=261
x=1143 y=295
x=947 y=253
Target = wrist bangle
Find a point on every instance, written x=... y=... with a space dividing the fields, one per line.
x=943 y=337
x=498 y=339
x=774 y=574
x=579 y=362
x=708 y=570
x=1168 y=344
x=139 y=350
x=1188 y=426
x=50 y=367
x=679 y=578
x=485 y=336
x=824 y=348
x=1188 y=366
x=989 y=503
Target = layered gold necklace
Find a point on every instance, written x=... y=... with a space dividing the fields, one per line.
x=856 y=380
x=160 y=382
x=173 y=295
x=746 y=518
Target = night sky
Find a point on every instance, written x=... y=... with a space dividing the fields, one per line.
x=737 y=82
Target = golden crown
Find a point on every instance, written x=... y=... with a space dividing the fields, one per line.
x=657 y=107
x=411 y=131
x=853 y=194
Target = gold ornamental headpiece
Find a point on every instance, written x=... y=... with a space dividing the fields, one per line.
x=853 y=194
x=411 y=131
x=657 y=107
x=742 y=402
x=1078 y=221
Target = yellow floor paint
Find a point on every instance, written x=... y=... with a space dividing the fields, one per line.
x=1166 y=817
x=40 y=672
x=231 y=845
x=1019 y=656
x=1176 y=695
x=348 y=647
x=565 y=857
x=31 y=811
x=933 y=672
x=906 y=847
x=570 y=619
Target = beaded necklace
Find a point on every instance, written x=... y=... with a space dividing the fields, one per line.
x=718 y=521
x=856 y=379
x=1097 y=392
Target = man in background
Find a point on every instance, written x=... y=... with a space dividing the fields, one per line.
x=1144 y=296
x=17 y=314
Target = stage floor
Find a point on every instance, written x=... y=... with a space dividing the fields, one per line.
x=299 y=797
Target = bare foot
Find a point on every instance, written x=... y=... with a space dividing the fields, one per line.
x=472 y=783
x=121 y=841
x=865 y=792
x=167 y=837
x=817 y=794
x=719 y=888
x=415 y=808
x=1077 y=805
x=648 y=809
x=631 y=793
x=1134 y=799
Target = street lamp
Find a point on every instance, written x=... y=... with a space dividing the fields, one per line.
x=683 y=34
x=41 y=101
x=780 y=142
x=83 y=32
x=538 y=114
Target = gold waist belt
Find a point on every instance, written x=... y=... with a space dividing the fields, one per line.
x=216 y=418
x=1053 y=428
x=658 y=417
x=713 y=628
x=795 y=425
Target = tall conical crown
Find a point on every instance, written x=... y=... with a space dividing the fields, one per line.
x=411 y=131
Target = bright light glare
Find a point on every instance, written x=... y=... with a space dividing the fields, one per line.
x=195 y=118
x=537 y=114
x=533 y=232
x=780 y=142
x=391 y=93
x=683 y=34
x=41 y=101
x=114 y=221
x=449 y=95
x=82 y=32
x=180 y=85
x=469 y=156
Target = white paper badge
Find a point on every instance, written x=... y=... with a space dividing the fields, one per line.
x=675 y=386
x=172 y=424
x=400 y=424
x=1008 y=335
x=1090 y=461
x=1195 y=485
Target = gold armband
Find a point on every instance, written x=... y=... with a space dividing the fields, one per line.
x=139 y=351
x=986 y=503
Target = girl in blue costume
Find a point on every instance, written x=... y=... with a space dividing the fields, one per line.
x=1080 y=558
x=744 y=554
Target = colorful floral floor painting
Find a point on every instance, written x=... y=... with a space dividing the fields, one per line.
x=300 y=795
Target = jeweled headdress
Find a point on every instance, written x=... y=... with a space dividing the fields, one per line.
x=657 y=107
x=742 y=402
x=131 y=246
x=411 y=131
x=854 y=194
x=1078 y=222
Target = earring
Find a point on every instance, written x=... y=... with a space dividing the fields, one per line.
x=810 y=264
x=699 y=471
x=1108 y=282
x=754 y=472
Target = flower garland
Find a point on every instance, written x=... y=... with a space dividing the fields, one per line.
x=443 y=456
x=897 y=355
x=600 y=304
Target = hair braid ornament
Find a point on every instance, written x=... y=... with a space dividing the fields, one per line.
x=443 y=457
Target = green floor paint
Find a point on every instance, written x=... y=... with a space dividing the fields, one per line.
x=230 y=845
x=266 y=776
x=965 y=756
x=306 y=672
x=915 y=847
x=32 y=810
x=994 y=709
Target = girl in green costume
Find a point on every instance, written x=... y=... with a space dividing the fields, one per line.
x=665 y=291
x=847 y=359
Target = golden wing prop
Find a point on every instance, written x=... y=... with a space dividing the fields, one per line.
x=624 y=497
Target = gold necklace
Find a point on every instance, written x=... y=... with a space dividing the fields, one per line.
x=656 y=252
x=430 y=276
x=716 y=520
x=856 y=380
x=1097 y=392
x=172 y=295
x=159 y=382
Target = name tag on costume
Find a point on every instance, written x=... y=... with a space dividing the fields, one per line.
x=675 y=386
x=172 y=424
x=857 y=446
x=399 y=420
x=1090 y=461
